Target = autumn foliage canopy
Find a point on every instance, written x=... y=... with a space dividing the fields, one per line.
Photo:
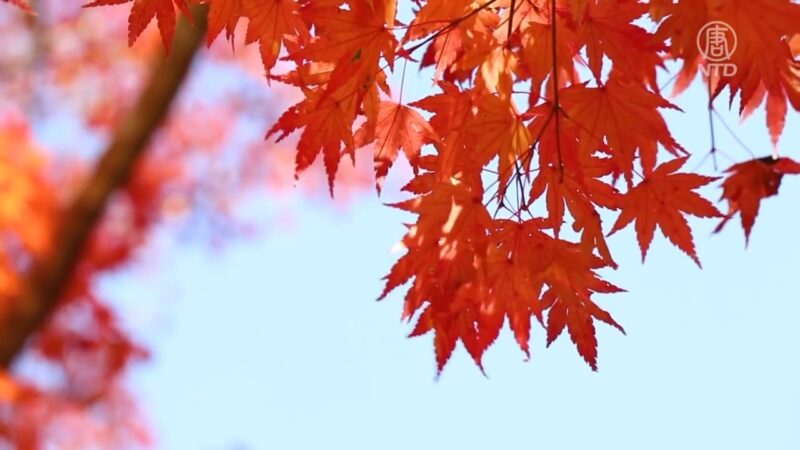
x=543 y=133
x=546 y=115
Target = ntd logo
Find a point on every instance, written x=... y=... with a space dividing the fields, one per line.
x=717 y=42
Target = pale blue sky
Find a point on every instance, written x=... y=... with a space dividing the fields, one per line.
x=277 y=342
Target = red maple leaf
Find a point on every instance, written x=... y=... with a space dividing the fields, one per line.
x=749 y=183
x=144 y=11
x=398 y=126
x=662 y=199
x=271 y=23
x=623 y=117
x=222 y=14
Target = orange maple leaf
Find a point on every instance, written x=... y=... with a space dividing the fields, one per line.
x=271 y=23
x=222 y=14
x=144 y=11
x=352 y=35
x=568 y=270
x=444 y=249
x=623 y=115
x=510 y=274
x=435 y=15
x=497 y=130
x=398 y=126
x=608 y=31
x=451 y=110
x=662 y=199
x=327 y=125
x=580 y=194
x=537 y=49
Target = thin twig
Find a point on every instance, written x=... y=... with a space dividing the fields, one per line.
x=556 y=103
x=711 y=128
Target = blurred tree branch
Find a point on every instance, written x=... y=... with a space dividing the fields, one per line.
x=50 y=275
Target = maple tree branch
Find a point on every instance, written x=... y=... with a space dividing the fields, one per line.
x=449 y=27
x=510 y=23
x=713 y=150
x=734 y=136
x=557 y=107
x=50 y=275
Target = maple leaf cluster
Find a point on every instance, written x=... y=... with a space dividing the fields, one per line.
x=548 y=114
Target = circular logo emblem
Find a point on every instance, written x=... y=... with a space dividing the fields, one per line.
x=717 y=41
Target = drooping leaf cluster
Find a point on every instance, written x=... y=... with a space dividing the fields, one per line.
x=546 y=121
